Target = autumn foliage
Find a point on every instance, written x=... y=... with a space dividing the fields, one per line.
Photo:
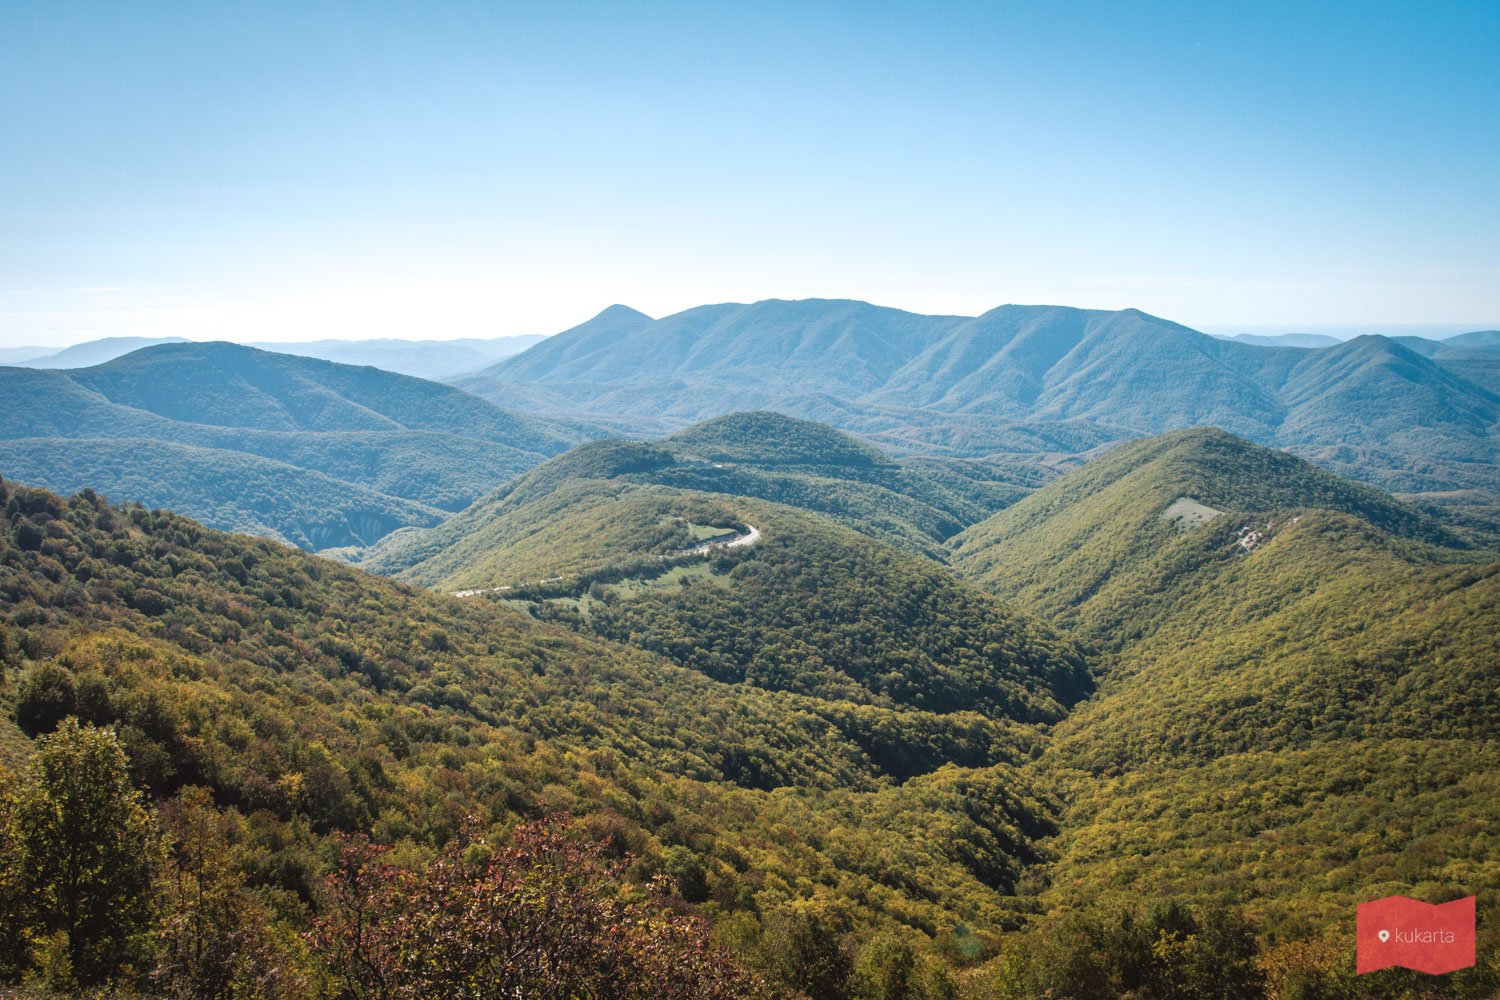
x=541 y=919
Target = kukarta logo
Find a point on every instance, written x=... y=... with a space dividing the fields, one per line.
x=1427 y=937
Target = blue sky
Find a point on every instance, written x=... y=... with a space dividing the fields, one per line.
x=286 y=171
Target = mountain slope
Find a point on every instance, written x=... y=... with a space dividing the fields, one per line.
x=912 y=503
x=230 y=385
x=1296 y=709
x=773 y=343
x=420 y=444
x=313 y=699
x=235 y=491
x=1033 y=380
x=802 y=605
x=1072 y=548
x=1373 y=390
x=1296 y=730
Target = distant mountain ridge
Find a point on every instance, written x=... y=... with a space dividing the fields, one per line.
x=309 y=451
x=422 y=358
x=92 y=352
x=1311 y=340
x=1018 y=379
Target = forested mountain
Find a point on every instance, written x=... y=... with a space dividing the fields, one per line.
x=236 y=491
x=913 y=503
x=1294 y=682
x=311 y=699
x=593 y=539
x=854 y=765
x=1021 y=380
x=1114 y=532
x=310 y=451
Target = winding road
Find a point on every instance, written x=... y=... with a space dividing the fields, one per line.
x=744 y=539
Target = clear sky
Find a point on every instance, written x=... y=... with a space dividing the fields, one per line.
x=267 y=171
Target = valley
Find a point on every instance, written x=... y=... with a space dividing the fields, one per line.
x=964 y=703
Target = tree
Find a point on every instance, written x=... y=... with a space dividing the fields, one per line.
x=90 y=849
x=541 y=919
x=215 y=939
x=47 y=696
x=806 y=945
x=1169 y=953
x=886 y=969
x=15 y=903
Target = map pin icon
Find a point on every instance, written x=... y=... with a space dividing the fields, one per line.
x=1384 y=936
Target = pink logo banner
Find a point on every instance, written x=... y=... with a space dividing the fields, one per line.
x=1427 y=937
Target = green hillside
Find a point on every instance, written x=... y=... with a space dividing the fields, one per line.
x=1298 y=730
x=1090 y=547
x=806 y=606
x=843 y=757
x=251 y=440
x=820 y=610
x=229 y=490
x=1297 y=706
x=913 y=504
x=311 y=699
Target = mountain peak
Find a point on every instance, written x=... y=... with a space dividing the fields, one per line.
x=766 y=437
x=618 y=312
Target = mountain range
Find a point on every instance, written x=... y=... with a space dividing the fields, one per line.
x=1024 y=380
x=862 y=712
x=317 y=453
x=422 y=358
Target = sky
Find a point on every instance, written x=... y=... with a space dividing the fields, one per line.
x=290 y=171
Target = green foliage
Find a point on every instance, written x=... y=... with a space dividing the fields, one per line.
x=564 y=508
x=310 y=699
x=810 y=608
x=817 y=610
x=765 y=438
x=84 y=844
x=223 y=489
x=48 y=695
x=807 y=946
x=870 y=779
x=216 y=940
x=1297 y=708
x=1098 y=537
x=1168 y=953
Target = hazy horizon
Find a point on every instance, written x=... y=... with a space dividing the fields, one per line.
x=1341 y=331
x=287 y=172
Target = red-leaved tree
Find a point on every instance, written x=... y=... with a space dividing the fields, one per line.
x=541 y=919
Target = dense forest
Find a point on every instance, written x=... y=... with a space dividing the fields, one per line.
x=293 y=703
x=913 y=504
x=817 y=766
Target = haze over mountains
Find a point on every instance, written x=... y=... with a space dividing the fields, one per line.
x=422 y=358
x=317 y=453
x=1025 y=391
x=975 y=718
x=1023 y=379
